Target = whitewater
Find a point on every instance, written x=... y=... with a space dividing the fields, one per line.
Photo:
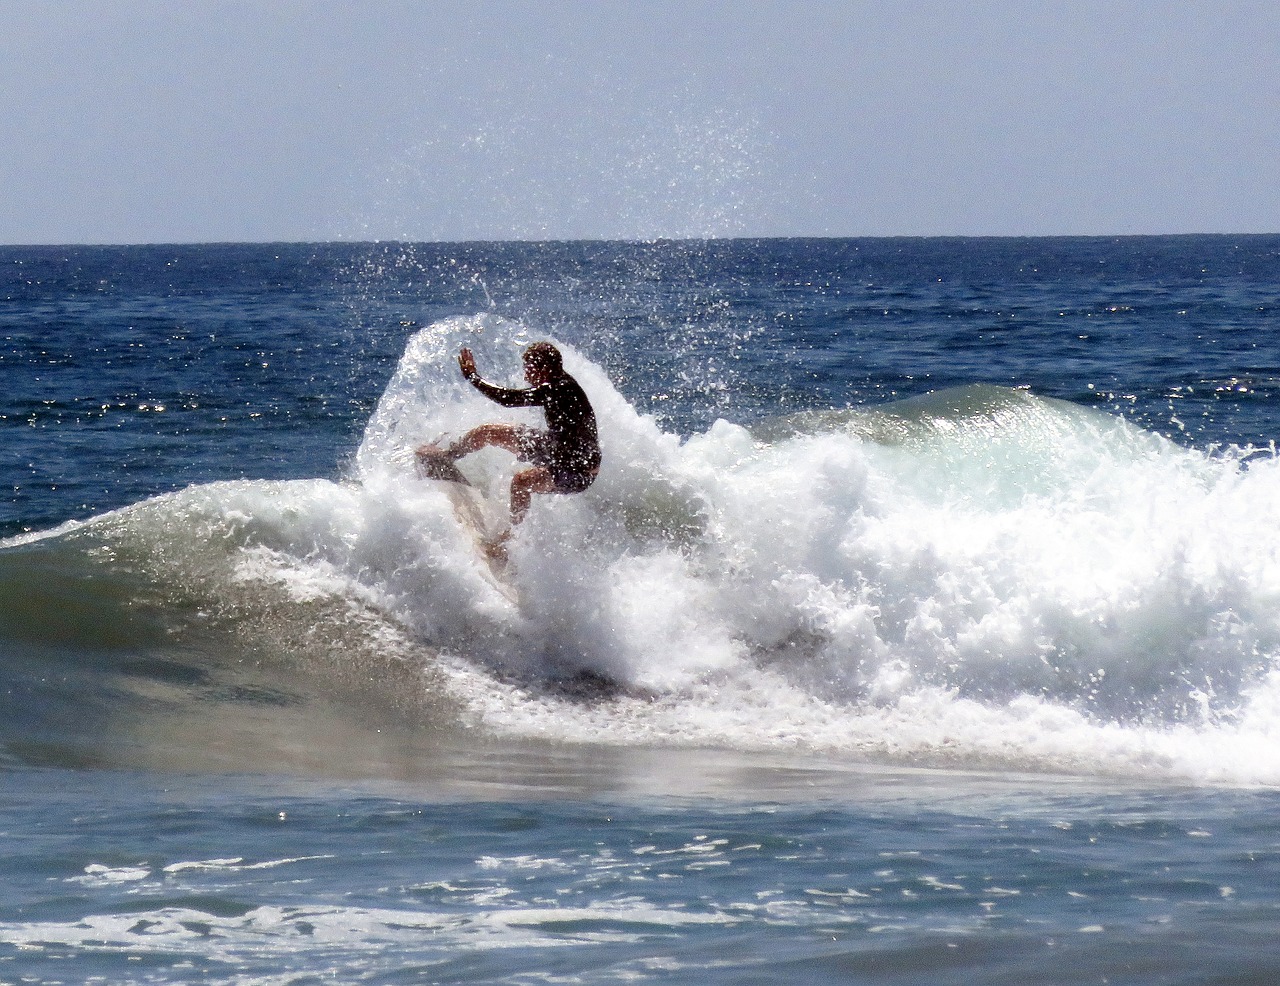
x=981 y=578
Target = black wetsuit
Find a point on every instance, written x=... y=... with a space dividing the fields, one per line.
x=570 y=447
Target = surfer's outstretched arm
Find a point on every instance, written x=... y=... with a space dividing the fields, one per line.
x=467 y=363
x=506 y=396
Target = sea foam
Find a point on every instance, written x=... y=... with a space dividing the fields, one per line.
x=982 y=577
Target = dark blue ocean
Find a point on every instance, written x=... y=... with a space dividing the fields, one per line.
x=923 y=625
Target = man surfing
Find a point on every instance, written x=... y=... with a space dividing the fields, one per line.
x=563 y=458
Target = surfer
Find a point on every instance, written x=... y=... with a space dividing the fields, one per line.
x=563 y=458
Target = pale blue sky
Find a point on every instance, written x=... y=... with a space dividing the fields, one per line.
x=131 y=121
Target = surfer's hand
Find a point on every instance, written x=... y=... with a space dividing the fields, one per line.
x=467 y=363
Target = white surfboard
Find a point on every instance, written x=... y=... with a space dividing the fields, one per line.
x=468 y=508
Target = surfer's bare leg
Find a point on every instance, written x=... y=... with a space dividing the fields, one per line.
x=523 y=485
x=503 y=436
x=526 y=483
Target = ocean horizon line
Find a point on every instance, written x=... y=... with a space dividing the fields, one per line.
x=654 y=241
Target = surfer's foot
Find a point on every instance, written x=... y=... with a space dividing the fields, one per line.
x=496 y=546
x=431 y=452
x=433 y=463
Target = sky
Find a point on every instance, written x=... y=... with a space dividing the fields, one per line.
x=132 y=121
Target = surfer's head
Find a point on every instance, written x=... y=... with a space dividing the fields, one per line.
x=542 y=363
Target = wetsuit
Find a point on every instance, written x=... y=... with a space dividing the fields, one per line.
x=570 y=446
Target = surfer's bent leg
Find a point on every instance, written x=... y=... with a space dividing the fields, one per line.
x=528 y=445
x=523 y=485
x=542 y=479
x=513 y=438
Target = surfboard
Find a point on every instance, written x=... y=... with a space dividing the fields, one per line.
x=468 y=508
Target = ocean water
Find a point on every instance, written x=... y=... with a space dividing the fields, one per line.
x=923 y=625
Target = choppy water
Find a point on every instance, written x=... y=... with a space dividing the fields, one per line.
x=921 y=626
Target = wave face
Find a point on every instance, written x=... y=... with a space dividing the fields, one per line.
x=979 y=578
